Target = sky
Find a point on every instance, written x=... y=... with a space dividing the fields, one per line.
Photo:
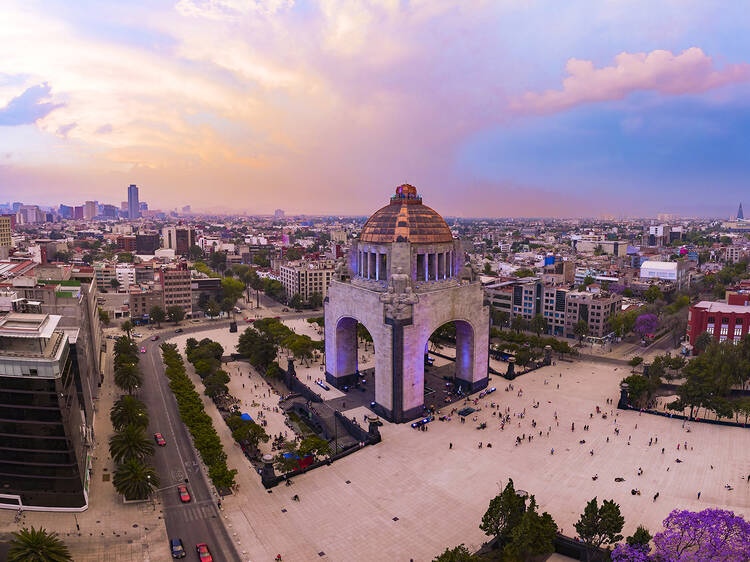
x=490 y=108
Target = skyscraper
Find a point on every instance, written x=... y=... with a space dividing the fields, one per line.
x=89 y=210
x=740 y=214
x=133 y=206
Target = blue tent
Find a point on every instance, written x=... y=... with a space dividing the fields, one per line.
x=246 y=417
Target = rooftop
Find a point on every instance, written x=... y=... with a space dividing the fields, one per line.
x=712 y=306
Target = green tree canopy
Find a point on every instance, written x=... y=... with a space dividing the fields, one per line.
x=135 y=480
x=600 y=525
x=128 y=410
x=534 y=535
x=175 y=313
x=130 y=443
x=157 y=314
x=504 y=512
x=37 y=545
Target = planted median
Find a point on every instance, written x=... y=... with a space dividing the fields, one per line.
x=195 y=418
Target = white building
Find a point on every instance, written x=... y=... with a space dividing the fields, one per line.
x=125 y=275
x=305 y=278
x=674 y=271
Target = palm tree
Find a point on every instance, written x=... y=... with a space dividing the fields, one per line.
x=130 y=443
x=135 y=480
x=128 y=410
x=37 y=545
x=127 y=327
x=128 y=377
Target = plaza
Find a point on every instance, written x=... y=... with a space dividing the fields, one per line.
x=411 y=496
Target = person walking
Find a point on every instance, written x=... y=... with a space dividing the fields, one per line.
x=699 y=495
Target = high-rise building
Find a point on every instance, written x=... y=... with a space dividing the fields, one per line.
x=134 y=210
x=66 y=211
x=45 y=453
x=740 y=214
x=147 y=243
x=29 y=214
x=278 y=214
x=89 y=210
x=307 y=277
x=178 y=238
x=5 y=228
x=175 y=286
x=186 y=210
x=78 y=213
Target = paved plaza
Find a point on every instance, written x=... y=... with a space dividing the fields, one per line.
x=411 y=495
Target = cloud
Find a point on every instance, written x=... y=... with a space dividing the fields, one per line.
x=104 y=129
x=63 y=130
x=230 y=9
x=28 y=107
x=689 y=72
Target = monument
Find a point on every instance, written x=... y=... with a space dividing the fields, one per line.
x=405 y=278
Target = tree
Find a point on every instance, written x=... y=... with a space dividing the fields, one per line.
x=539 y=324
x=533 y=536
x=227 y=306
x=232 y=289
x=37 y=545
x=712 y=534
x=600 y=525
x=212 y=308
x=524 y=272
x=457 y=554
x=196 y=253
x=114 y=283
x=259 y=348
x=128 y=377
x=293 y=253
x=518 y=324
x=125 y=257
x=499 y=317
x=638 y=388
x=635 y=361
x=653 y=293
x=127 y=327
x=135 y=480
x=218 y=261
x=504 y=513
x=314 y=446
x=315 y=301
x=128 y=410
x=641 y=537
x=581 y=330
x=246 y=431
x=702 y=342
x=288 y=459
x=488 y=269
x=296 y=301
x=103 y=316
x=646 y=324
x=157 y=314
x=175 y=313
x=130 y=443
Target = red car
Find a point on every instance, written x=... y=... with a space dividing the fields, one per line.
x=184 y=494
x=154 y=338
x=159 y=438
x=143 y=350
x=203 y=553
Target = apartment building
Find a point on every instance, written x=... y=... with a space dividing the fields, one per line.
x=723 y=321
x=147 y=243
x=142 y=300
x=125 y=275
x=175 y=286
x=674 y=271
x=45 y=452
x=593 y=308
x=304 y=278
x=6 y=240
x=127 y=243
x=178 y=238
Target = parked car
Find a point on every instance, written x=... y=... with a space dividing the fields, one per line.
x=184 y=494
x=178 y=549
x=159 y=438
x=178 y=331
x=143 y=350
x=203 y=553
x=154 y=338
x=135 y=335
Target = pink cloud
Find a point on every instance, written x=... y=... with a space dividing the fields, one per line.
x=689 y=72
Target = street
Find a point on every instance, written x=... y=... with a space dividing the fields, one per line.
x=200 y=520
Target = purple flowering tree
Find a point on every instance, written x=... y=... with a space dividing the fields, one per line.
x=646 y=324
x=710 y=535
x=617 y=288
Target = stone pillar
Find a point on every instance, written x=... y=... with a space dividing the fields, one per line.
x=511 y=374
x=548 y=355
x=267 y=475
x=464 y=355
x=623 y=403
x=377 y=265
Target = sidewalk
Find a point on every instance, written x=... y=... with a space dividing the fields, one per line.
x=110 y=531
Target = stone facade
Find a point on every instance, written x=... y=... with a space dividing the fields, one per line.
x=402 y=292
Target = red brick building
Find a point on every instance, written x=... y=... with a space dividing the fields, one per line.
x=723 y=321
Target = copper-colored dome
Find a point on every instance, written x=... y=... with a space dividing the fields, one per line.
x=406 y=219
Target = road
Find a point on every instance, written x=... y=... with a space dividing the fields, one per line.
x=200 y=520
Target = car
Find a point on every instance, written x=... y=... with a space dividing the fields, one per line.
x=154 y=338
x=178 y=549
x=159 y=438
x=136 y=335
x=203 y=553
x=184 y=494
x=195 y=321
x=178 y=331
x=143 y=350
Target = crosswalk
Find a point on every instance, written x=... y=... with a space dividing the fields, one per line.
x=192 y=512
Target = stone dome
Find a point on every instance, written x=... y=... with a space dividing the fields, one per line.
x=406 y=219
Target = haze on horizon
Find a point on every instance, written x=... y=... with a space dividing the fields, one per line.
x=324 y=106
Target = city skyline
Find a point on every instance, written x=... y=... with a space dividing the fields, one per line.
x=319 y=107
